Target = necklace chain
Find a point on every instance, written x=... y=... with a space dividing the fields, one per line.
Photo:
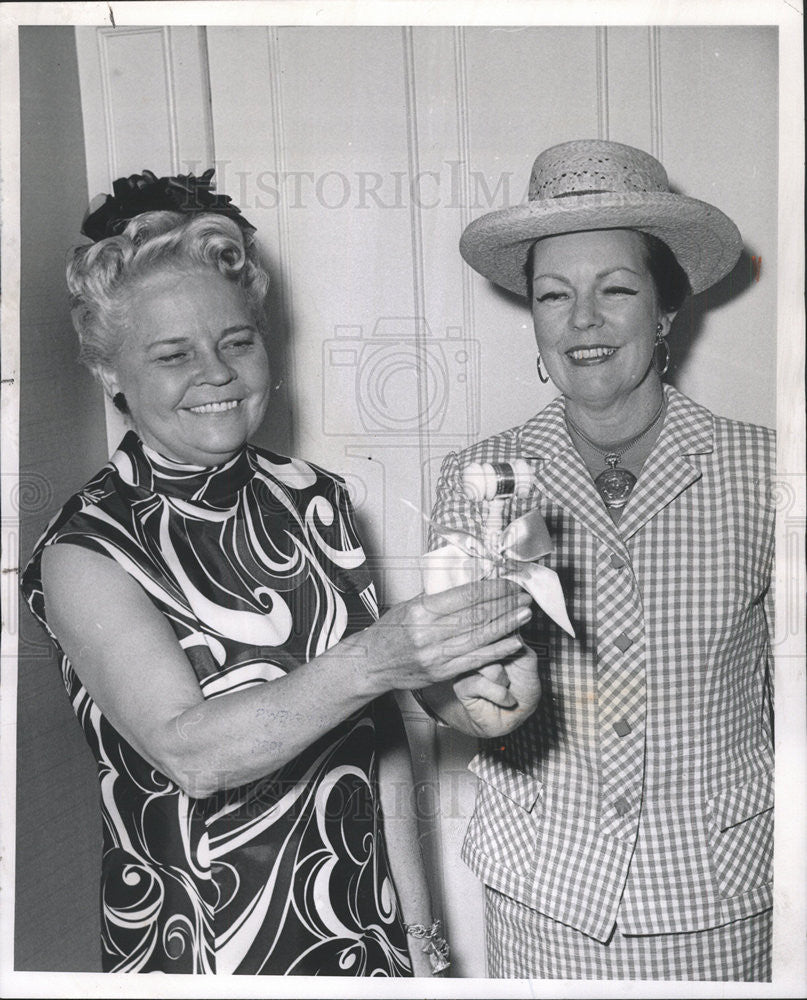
x=613 y=455
x=615 y=485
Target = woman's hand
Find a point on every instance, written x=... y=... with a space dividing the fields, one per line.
x=127 y=655
x=490 y=701
x=437 y=637
x=499 y=697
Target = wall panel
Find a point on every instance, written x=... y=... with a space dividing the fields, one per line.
x=355 y=256
x=544 y=91
x=720 y=126
x=631 y=56
x=247 y=123
x=145 y=106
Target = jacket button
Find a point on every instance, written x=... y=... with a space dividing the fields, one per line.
x=622 y=806
x=623 y=641
x=622 y=727
x=617 y=561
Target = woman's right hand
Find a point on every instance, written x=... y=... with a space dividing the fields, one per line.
x=138 y=675
x=438 y=637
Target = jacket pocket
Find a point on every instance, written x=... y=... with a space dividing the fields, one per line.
x=742 y=802
x=517 y=786
x=741 y=835
x=508 y=815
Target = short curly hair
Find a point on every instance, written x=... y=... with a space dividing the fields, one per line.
x=100 y=275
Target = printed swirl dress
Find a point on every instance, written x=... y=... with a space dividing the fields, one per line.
x=257 y=566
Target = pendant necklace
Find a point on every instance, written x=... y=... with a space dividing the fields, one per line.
x=615 y=485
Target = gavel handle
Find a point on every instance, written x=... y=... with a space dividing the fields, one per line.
x=496 y=521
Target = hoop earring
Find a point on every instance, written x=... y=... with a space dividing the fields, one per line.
x=661 y=342
x=541 y=374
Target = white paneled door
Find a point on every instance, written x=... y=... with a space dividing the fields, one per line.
x=360 y=154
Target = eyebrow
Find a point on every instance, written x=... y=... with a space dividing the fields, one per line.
x=613 y=270
x=598 y=275
x=168 y=341
x=171 y=341
x=238 y=328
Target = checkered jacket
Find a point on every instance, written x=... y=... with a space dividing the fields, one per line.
x=641 y=791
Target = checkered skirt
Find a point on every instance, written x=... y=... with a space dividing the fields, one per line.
x=524 y=944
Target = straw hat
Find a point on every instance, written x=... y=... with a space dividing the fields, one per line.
x=594 y=184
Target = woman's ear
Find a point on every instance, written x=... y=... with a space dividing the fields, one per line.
x=109 y=380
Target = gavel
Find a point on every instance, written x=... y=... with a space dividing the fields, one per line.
x=499 y=483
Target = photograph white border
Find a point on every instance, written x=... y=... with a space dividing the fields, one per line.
x=790 y=924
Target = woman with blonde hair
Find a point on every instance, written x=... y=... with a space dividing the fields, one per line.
x=218 y=634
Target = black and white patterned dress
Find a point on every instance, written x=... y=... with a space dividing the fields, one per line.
x=257 y=566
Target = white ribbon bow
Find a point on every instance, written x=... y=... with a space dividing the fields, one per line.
x=510 y=556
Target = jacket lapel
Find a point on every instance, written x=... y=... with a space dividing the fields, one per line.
x=560 y=474
x=562 y=477
x=687 y=431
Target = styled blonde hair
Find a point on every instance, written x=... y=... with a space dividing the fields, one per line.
x=100 y=275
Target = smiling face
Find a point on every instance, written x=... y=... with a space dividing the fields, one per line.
x=192 y=366
x=595 y=312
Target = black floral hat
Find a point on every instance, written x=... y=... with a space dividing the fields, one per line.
x=146 y=192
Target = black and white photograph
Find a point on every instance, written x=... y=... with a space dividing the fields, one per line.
x=403 y=500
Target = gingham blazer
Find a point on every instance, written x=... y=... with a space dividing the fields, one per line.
x=641 y=791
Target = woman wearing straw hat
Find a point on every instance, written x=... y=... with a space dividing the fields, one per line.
x=624 y=828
